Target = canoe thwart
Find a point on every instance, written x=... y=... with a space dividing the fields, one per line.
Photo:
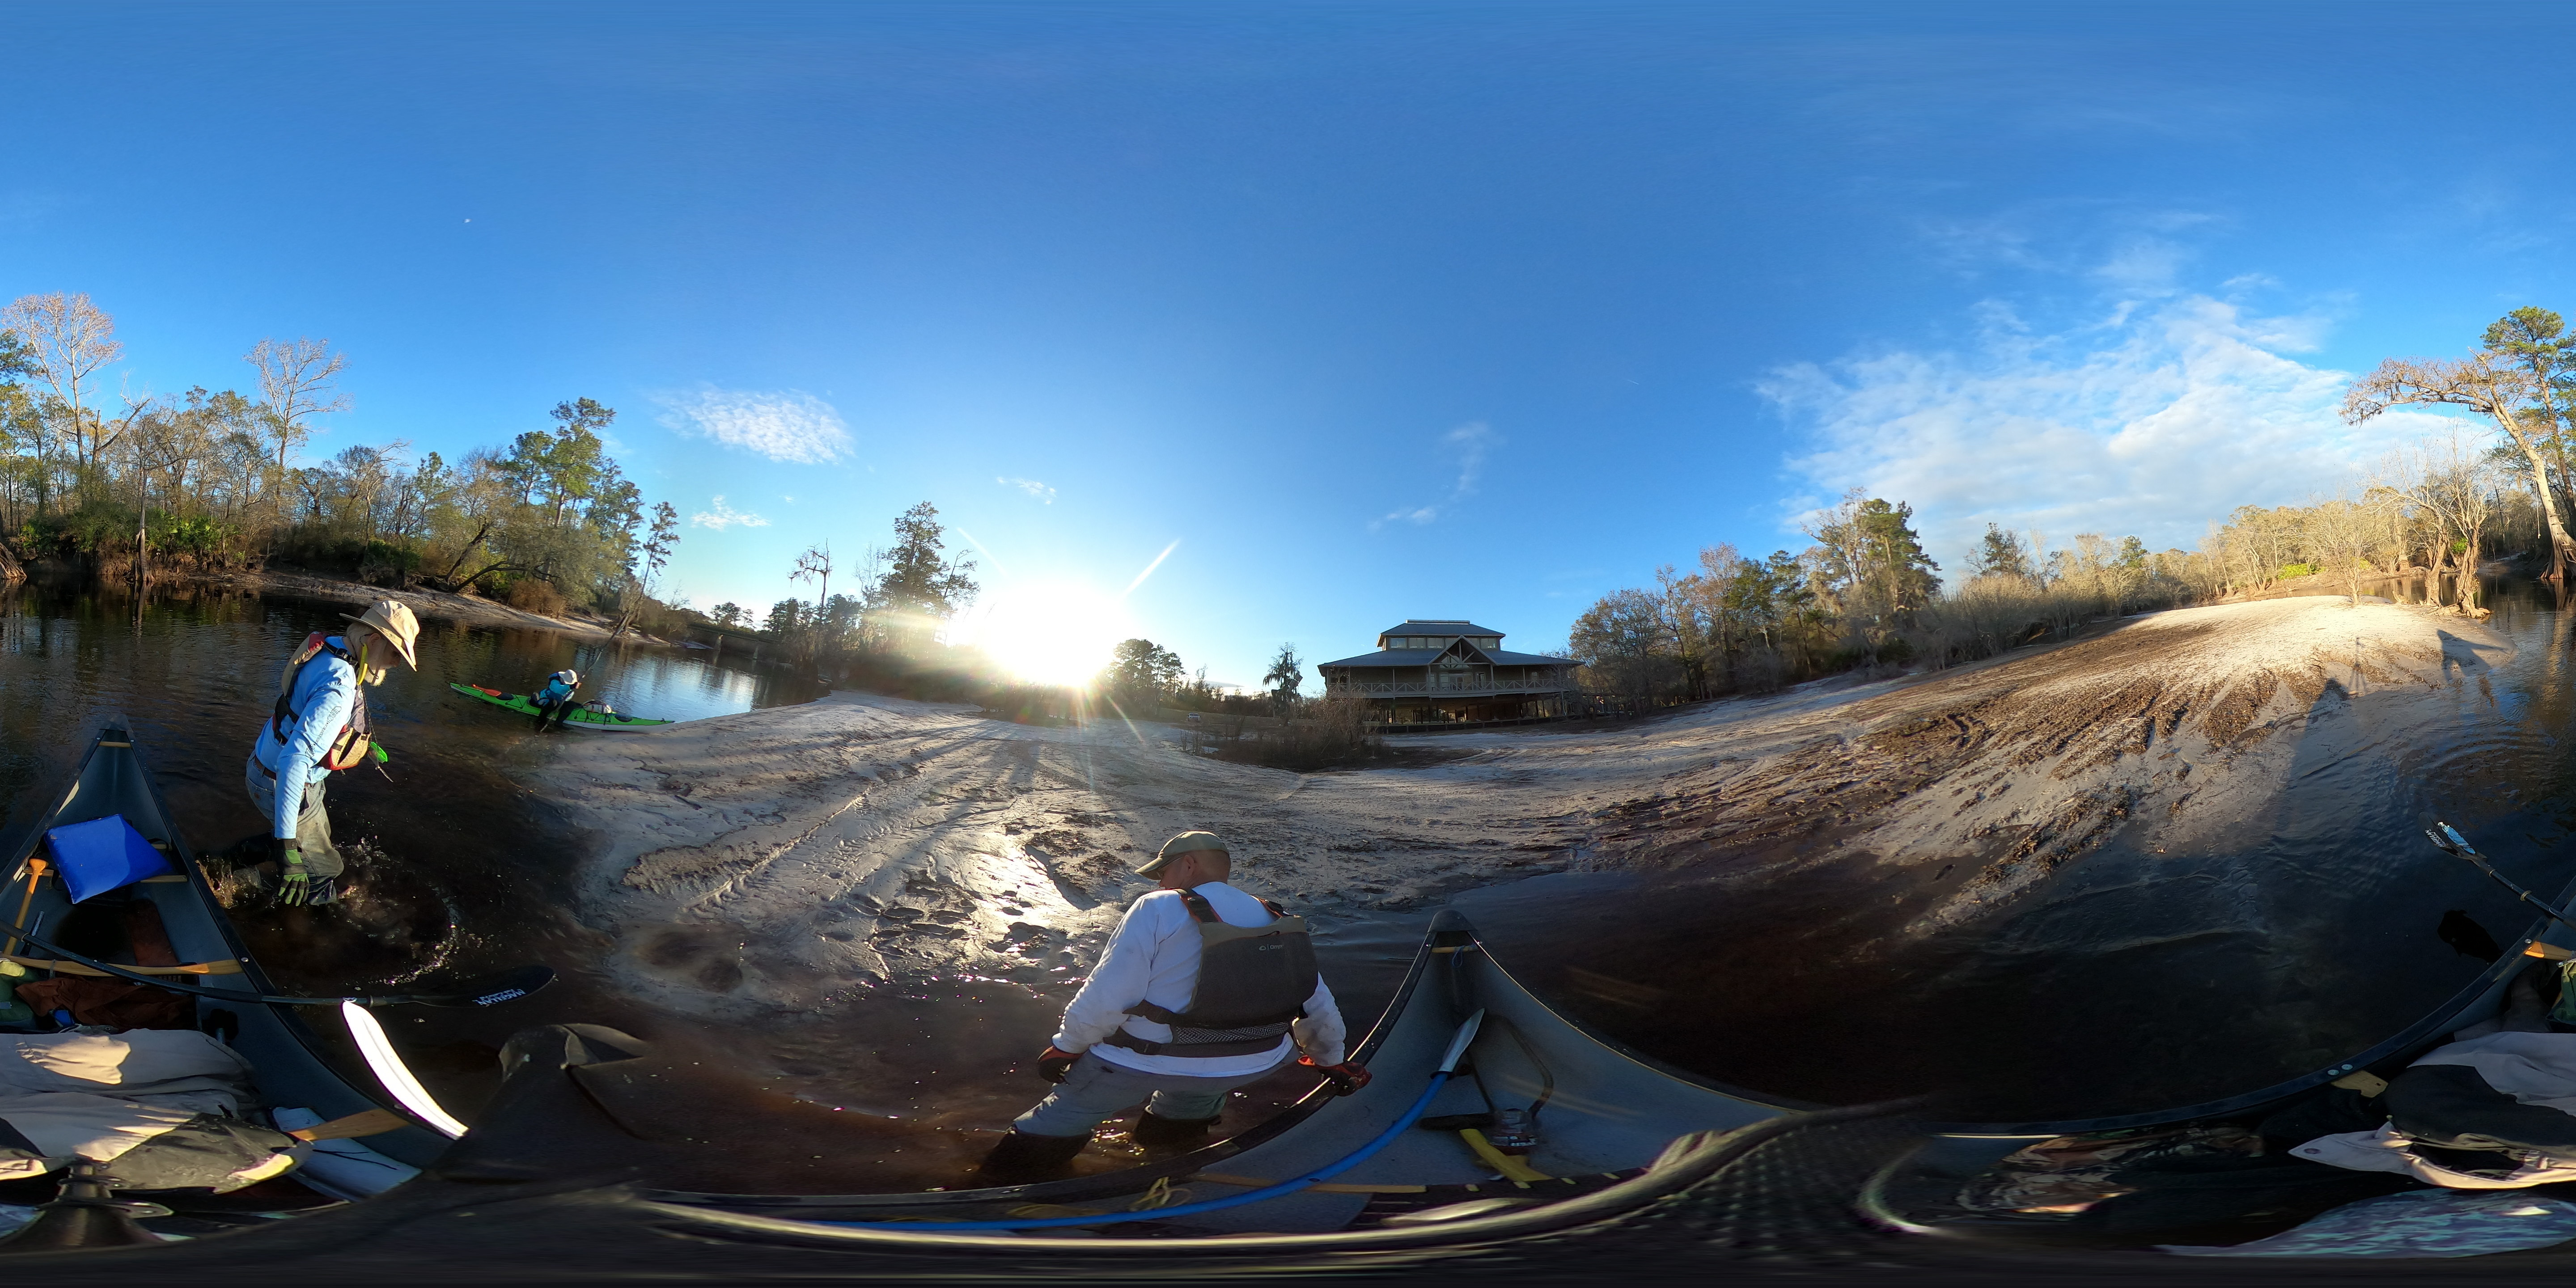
x=1326 y=1187
x=226 y=967
x=369 y=1123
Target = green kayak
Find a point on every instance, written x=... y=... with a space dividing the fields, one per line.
x=582 y=717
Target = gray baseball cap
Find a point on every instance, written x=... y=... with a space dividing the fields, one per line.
x=1185 y=843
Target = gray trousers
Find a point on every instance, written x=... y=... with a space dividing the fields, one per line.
x=312 y=825
x=1096 y=1091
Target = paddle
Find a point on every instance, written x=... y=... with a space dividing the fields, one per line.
x=483 y=990
x=2452 y=843
x=559 y=711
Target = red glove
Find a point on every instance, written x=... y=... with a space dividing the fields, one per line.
x=1346 y=1077
x=1054 y=1064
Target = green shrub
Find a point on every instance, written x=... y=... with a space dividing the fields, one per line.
x=1334 y=735
x=533 y=595
x=2297 y=570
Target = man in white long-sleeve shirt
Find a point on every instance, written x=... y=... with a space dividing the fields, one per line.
x=1157 y=1023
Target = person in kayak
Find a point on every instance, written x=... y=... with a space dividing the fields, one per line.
x=555 y=700
x=318 y=726
x=1203 y=989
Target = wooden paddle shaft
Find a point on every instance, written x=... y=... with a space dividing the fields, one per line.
x=369 y=1123
x=35 y=873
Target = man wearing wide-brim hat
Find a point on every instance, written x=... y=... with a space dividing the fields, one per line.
x=319 y=726
x=1203 y=989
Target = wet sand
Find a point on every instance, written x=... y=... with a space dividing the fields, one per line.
x=779 y=868
x=784 y=857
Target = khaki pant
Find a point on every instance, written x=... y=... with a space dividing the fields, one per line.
x=312 y=825
x=1095 y=1091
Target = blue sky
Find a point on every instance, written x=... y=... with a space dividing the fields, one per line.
x=1376 y=310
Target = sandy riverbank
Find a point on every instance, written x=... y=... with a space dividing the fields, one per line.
x=429 y=605
x=788 y=857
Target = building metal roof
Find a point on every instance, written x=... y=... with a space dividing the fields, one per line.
x=1419 y=626
x=1504 y=657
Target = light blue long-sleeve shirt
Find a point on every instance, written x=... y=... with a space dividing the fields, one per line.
x=325 y=692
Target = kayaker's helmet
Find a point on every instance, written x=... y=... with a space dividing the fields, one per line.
x=567 y=675
x=393 y=621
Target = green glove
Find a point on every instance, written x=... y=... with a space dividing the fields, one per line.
x=295 y=885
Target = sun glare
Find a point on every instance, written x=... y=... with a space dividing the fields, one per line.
x=1050 y=634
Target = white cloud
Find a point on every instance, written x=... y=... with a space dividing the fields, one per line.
x=1467 y=444
x=783 y=425
x=723 y=516
x=2153 y=423
x=1037 y=491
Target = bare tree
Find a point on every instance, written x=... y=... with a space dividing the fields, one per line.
x=67 y=340
x=815 y=564
x=2453 y=484
x=295 y=382
x=2344 y=532
x=2485 y=384
x=104 y=433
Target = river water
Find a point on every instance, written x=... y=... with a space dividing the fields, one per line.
x=2133 y=981
x=457 y=869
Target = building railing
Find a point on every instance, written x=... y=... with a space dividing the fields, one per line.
x=1456 y=684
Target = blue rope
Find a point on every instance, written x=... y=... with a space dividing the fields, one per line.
x=1321 y=1174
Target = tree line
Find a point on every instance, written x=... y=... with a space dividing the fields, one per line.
x=1143 y=675
x=884 y=636
x=210 y=479
x=2431 y=514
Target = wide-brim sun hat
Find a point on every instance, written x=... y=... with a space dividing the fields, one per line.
x=393 y=621
x=1185 y=843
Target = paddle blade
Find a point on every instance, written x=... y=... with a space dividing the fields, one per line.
x=492 y=990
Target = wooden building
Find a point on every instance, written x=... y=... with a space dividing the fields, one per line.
x=1441 y=672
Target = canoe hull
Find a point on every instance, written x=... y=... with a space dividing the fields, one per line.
x=1603 y=1111
x=286 y=1053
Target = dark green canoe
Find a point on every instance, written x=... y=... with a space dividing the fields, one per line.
x=581 y=717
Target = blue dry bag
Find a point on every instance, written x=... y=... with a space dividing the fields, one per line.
x=103 y=854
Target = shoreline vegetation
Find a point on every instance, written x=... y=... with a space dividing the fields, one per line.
x=2431 y=516
x=546 y=531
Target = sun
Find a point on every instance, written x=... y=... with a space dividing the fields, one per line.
x=1048 y=633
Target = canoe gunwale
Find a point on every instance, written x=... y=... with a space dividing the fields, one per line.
x=2399 y=1049
x=115 y=739
x=1125 y=1180
x=1444 y=948
x=1694 y=1161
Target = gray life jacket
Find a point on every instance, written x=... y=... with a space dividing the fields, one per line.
x=1253 y=985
